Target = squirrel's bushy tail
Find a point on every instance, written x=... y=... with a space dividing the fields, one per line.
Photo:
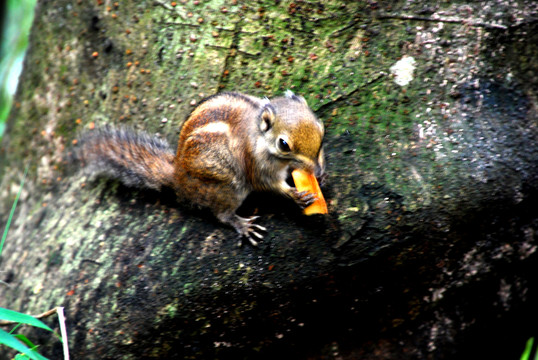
x=135 y=158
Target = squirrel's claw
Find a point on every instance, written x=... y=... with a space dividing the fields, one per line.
x=247 y=229
x=244 y=226
x=304 y=198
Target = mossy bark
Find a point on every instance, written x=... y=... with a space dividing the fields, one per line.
x=430 y=244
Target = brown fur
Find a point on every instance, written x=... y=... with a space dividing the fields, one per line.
x=230 y=145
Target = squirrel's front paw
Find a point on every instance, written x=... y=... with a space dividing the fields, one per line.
x=303 y=198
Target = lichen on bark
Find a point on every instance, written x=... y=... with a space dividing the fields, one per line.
x=431 y=233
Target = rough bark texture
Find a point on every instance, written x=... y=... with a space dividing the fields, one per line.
x=430 y=247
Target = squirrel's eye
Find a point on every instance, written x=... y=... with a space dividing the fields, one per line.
x=283 y=145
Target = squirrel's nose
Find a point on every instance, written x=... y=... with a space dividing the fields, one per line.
x=319 y=172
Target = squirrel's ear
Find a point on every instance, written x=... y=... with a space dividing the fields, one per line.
x=267 y=117
x=290 y=95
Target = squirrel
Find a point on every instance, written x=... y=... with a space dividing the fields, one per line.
x=230 y=145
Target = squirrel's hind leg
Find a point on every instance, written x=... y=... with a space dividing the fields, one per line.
x=244 y=226
x=223 y=200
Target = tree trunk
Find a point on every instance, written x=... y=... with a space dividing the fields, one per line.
x=429 y=249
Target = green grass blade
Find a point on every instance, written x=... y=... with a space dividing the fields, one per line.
x=528 y=348
x=10 y=315
x=26 y=341
x=15 y=328
x=12 y=342
x=12 y=211
x=21 y=357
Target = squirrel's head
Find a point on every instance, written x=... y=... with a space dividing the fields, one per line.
x=293 y=133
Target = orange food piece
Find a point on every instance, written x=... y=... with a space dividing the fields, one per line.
x=305 y=181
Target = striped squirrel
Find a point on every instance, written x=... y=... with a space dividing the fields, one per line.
x=230 y=145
